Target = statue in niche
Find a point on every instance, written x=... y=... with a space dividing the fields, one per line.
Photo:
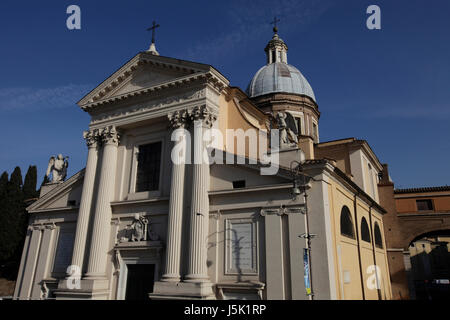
x=57 y=167
x=139 y=228
x=288 y=129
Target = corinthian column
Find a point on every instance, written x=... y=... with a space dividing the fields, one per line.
x=199 y=215
x=91 y=138
x=102 y=217
x=177 y=121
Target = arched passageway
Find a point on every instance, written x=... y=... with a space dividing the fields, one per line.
x=429 y=272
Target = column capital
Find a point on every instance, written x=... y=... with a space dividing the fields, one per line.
x=204 y=114
x=109 y=135
x=92 y=138
x=178 y=119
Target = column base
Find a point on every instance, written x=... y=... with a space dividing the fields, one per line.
x=196 y=278
x=88 y=289
x=182 y=291
x=171 y=278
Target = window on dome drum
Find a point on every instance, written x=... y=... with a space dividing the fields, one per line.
x=424 y=205
x=347 y=223
x=299 y=125
x=315 y=133
x=148 y=169
x=377 y=235
x=365 y=233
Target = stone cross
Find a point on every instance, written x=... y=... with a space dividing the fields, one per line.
x=153 y=28
x=274 y=22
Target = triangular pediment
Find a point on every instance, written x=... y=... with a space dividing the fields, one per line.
x=66 y=195
x=144 y=71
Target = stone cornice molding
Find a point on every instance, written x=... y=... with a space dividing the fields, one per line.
x=284 y=210
x=208 y=78
x=126 y=70
x=57 y=191
x=272 y=211
x=109 y=135
x=163 y=102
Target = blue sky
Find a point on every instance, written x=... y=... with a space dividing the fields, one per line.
x=389 y=86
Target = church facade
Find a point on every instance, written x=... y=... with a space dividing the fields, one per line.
x=134 y=224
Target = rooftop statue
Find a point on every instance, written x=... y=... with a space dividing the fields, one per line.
x=57 y=167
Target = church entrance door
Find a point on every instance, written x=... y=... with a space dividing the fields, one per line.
x=140 y=281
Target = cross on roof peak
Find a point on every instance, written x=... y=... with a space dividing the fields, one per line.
x=153 y=28
x=152 y=48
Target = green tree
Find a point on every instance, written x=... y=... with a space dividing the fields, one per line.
x=29 y=185
x=3 y=183
x=10 y=224
x=3 y=215
x=14 y=197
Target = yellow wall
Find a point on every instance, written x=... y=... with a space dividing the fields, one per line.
x=346 y=249
x=236 y=115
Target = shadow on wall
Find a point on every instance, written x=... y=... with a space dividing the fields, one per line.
x=430 y=268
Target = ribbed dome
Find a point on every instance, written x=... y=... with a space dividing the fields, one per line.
x=279 y=77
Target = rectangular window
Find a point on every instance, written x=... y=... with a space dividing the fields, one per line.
x=299 y=125
x=238 y=184
x=148 y=167
x=424 y=205
x=315 y=132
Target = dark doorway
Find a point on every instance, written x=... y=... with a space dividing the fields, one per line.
x=139 y=281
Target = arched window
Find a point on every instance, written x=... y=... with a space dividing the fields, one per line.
x=347 y=223
x=365 y=233
x=378 y=238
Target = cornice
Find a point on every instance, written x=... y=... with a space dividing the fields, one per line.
x=165 y=103
x=196 y=72
x=125 y=71
x=207 y=78
x=54 y=192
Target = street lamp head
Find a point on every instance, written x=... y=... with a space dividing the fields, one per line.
x=296 y=188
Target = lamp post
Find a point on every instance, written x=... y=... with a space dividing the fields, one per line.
x=299 y=183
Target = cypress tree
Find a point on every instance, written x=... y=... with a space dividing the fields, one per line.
x=29 y=185
x=3 y=214
x=10 y=229
x=3 y=184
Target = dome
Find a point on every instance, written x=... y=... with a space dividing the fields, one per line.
x=279 y=77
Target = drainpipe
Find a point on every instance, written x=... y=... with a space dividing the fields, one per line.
x=373 y=251
x=357 y=241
